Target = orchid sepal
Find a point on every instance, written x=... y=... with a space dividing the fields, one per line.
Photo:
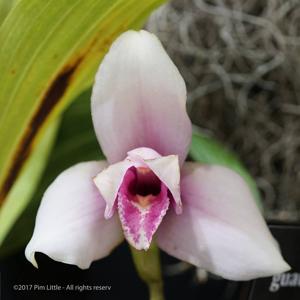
x=195 y=212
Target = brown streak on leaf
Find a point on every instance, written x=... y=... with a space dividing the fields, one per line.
x=50 y=99
x=48 y=102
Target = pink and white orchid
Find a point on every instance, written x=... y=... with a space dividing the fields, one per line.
x=201 y=214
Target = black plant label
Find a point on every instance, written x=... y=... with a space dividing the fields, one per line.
x=284 y=286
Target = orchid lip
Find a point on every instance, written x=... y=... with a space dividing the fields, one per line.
x=147 y=184
x=148 y=165
x=140 y=188
x=142 y=203
x=145 y=189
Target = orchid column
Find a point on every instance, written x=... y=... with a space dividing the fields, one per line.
x=201 y=214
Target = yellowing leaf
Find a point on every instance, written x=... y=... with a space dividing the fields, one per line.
x=5 y=7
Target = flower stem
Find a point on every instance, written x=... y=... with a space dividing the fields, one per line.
x=147 y=264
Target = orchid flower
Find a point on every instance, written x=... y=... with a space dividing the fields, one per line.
x=201 y=214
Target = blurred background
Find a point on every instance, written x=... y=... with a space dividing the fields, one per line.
x=240 y=60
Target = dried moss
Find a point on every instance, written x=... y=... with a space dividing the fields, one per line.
x=241 y=62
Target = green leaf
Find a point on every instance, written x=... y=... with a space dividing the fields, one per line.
x=76 y=139
x=5 y=7
x=27 y=182
x=75 y=142
x=206 y=150
x=49 y=53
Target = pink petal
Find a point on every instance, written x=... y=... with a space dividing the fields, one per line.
x=221 y=228
x=70 y=225
x=166 y=168
x=139 y=99
x=109 y=180
x=141 y=215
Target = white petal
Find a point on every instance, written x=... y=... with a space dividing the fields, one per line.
x=167 y=170
x=109 y=181
x=221 y=228
x=139 y=99
x=142 y=153
x=70 y=225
